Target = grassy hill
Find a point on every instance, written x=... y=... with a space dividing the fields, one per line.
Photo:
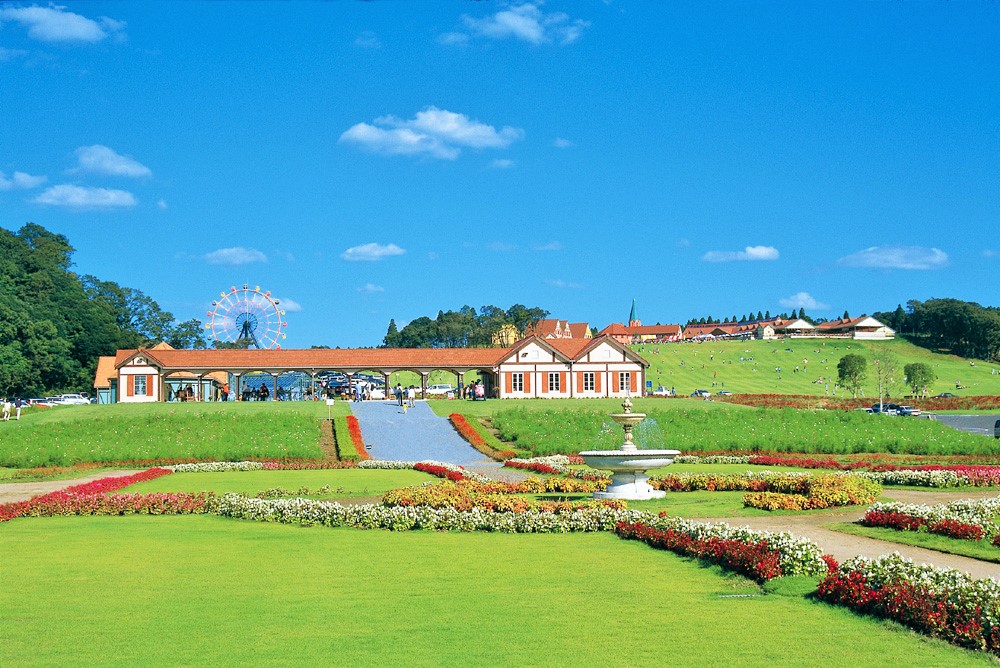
x=751 y=366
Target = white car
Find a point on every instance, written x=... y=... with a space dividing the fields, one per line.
x=662 y=391
x=440 y=388
x=908 y=410
x=73 y=399
x=377 y=393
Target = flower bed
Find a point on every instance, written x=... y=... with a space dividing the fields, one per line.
x=824 y=491
x=556 y=465
x=966 y=519
x=472 y=433
x=158 y=503
x=493 y=497
x=943 y=603
x=755 y=560
x=350 y=443
x=71 y=495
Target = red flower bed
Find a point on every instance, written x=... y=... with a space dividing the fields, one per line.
x=180 y=503
x=892 y=520
x=467 y=431
x=354 y=429
x=912 y=605
x=755 y=560
x=956 y=529
x=9 y=511
x=537 y=467
x=439 y=471
x=809 y=401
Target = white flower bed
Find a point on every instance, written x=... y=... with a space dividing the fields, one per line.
x=215 y=467
x=712 y=459
x=398 y=465
x=960 y=588
x=798 y=555
x=917 y=478
x=969 y=511
x=559 y=463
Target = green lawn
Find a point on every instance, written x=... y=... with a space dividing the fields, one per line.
x=343 y=482
x=966 y=548
x=691 y=366
x=202 y=590
x=223 y=431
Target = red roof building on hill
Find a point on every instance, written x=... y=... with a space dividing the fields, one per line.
x=552 y=328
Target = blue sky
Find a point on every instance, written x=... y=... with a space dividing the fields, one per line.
x=374 y=160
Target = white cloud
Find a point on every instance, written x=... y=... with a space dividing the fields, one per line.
x=235 y=256
x=54 y=24
x=370 y=289
x=368 y=40
x=989 y=252
x=288 y=305
x=6 y=55
x=563 y=285
x=559 y=142
x=551 y=246
x=103 y=160
x=21 y=181
x=802 y=300
x=80 y=197
x=438 y=133
x=453 y=38
x=896 y=257
x=501 y=247
x=750 y=253
x=528 y=23
x=682 y=243
x=371 y=252
x=502 y=163
x=162 y=204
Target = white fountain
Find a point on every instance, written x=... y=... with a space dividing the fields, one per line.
x=628 y=465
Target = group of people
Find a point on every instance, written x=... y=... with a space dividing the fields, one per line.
x=407 y=394
x=475 y=391
x=16 y=405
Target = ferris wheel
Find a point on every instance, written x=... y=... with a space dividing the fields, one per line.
x=249 y=315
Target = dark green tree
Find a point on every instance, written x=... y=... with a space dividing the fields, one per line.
x=919 y=376
x=392 y=336
x=851 y=372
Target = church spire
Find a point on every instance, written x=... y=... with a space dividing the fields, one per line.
x=633 y=317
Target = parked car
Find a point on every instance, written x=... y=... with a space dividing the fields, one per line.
x=866 y=410
x=886 y=409
x=724 y=393
x=945 y=395
x=908 y=410
x=701 y=393
x=440 y=389
x=377 y=393
x=662 y=391
x=74 y=399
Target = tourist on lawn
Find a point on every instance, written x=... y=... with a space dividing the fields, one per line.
x=6 y=410
x=18 y=405
x=411 y=395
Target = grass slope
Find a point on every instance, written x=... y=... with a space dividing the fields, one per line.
x=231 y=430
x=344 y=482
x=208 y=591
x=691 y=366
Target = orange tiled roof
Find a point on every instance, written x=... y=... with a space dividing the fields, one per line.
x=579 y=330
x=105 y=371
x=357 y=358
x=615 y=329
x=668 y=330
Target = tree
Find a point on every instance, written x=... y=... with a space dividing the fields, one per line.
x=187 y=335
x=392 y=335
x=847 y=316
x=760 y=316
x=851 y=372
x=802 y=314
x=886 y=367
x=919 y=376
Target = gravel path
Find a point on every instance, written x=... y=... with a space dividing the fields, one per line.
x=417 y=435
x=844 y=546
x=11 y=492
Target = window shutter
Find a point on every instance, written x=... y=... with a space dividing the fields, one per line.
x=130 y=385
x=527 y=383
x=579 y=381
x=632 y=381
x=508 y=382
x=597 y=381
x=545 y=383
x=562 y=381
x=614 y=381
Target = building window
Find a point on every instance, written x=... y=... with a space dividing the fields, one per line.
x=625 y=381
x=140 y=386
x=517 y=382
x=554 y=383
x=588 y=381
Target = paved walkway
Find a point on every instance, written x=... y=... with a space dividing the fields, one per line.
x=11 y=492
x=418 y=435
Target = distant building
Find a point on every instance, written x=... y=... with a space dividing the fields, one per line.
x=864 y=327
x=551 y=328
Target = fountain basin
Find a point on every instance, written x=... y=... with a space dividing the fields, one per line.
x=628 y=471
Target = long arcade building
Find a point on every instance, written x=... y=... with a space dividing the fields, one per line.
x=533 y=367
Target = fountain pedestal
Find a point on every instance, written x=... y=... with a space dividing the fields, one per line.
x=629 y=464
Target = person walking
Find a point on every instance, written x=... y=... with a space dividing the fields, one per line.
x=6 y=410
x=18 y=405
x=399 y=394
x=411 y=395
